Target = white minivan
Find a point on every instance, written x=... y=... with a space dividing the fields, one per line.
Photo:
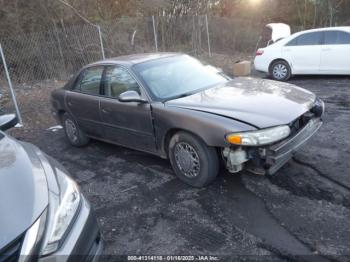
x=324 y=51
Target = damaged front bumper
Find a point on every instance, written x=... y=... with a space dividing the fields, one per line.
x=268 y=160
x=279 y=154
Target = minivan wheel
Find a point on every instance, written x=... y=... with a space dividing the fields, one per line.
x=280 y=71
x=192 y=160
x=74 y=134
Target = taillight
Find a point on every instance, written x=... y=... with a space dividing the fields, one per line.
x=259 y=52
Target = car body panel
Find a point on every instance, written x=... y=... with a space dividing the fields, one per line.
x=211 y=128
x=258 y=102
x=85 y=109
x=128 y=123
x=303 y=59
x=334 y=59
x=23 y=188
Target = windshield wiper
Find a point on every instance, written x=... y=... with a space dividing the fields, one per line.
x=180 y=96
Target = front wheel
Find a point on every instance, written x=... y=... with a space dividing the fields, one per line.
x=192 y=160
x=280 y=71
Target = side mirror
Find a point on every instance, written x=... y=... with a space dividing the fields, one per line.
x=131 y=96
x=8 y=121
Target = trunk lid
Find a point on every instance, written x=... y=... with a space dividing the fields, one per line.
x=279 y=31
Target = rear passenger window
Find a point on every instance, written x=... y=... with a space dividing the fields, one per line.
x=310 y=39
x=306 y=39
x=336 y=38
x=91 y=80
x=119 y=80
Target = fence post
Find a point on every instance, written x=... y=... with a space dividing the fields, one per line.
x=207 y=26
x=13 y=96
x=155 y=33
x=101 y=42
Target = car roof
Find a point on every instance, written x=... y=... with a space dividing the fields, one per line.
x=341 y=28
x=129 y=60
x=296 y=34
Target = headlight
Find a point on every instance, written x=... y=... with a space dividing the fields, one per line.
x=260 y=137
x=62 y=210
x=318 y=108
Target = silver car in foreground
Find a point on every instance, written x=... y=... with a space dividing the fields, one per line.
x=44 y=216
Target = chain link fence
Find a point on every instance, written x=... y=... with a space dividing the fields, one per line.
x=128 y=35
x=51 y=54
x=56 y=54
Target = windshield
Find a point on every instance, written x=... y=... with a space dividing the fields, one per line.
x=177 y=76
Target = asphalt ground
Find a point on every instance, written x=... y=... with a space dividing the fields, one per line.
x=301 y=213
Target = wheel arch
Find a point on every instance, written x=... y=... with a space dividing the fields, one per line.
x=60 y=114
x=170 y=133
x=279 y=59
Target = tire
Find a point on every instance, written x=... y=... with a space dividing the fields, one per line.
x=203 y=167
x=74 y=134
x=280 y=71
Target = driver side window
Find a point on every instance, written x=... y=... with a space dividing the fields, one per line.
x=117 y=81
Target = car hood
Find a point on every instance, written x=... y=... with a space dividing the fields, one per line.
x=258 y=102
x=23 y=188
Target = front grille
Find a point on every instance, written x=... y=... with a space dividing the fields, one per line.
x=11 y=252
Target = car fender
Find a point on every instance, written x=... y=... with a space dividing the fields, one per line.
x=211 y=128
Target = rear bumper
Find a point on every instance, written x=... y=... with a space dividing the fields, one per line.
x=279 y=154
x=261 y=64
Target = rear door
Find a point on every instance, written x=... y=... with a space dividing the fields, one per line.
x=335 y=53
x=304 y=53
x=83 y=100
x=126 y=123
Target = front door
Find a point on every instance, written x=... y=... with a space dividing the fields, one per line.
x=335 y=53
x=125 y=123
x=304 y=52
x=83 y=101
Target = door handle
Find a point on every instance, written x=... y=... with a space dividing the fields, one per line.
x=326 y=49
x=69 y=103
x=286 y=50
x=106 y=111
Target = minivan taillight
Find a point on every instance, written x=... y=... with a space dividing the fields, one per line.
x=259 y=52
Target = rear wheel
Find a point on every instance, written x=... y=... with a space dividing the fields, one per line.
x=192 y=160
x=280 y=71
x=74 y=134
